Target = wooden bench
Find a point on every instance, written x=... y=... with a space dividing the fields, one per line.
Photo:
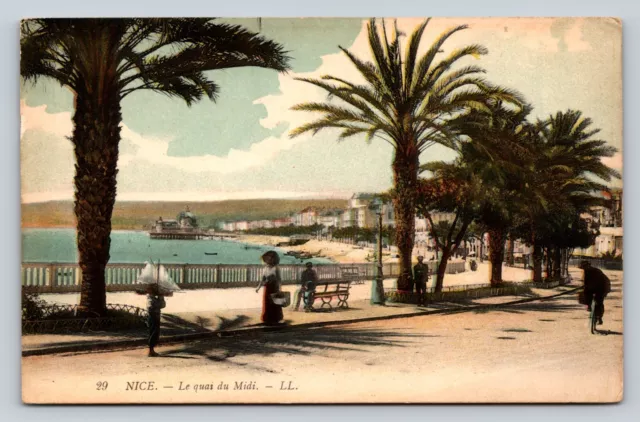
x=351 y=274
x=327 y=290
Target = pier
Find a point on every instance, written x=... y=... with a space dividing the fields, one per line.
x=189 y=235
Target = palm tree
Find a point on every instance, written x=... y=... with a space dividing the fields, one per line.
x=406 y=101
x=495 y=147
x=102 y=61
x=567 y=170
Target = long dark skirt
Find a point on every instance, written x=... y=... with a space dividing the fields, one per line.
x=271 y=313
x=153 y=322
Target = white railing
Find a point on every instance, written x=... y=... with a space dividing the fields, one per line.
x=67 y=277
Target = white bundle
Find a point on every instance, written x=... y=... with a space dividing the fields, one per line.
x=152 y=275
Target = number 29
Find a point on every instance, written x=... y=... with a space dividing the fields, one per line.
x=102 y=385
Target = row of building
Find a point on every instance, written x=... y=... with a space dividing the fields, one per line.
x=362 y=211
x=363 y=208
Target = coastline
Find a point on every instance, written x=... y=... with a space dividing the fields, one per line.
x=333 y=251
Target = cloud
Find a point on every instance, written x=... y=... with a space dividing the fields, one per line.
x=37 y=118
x=150 y=149
x=533 y=33
x=523 y=53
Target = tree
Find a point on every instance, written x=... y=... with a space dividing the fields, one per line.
x=452 y=188
x=405 y=100
x=495 y=147
x=562 y=178
x=103 y=60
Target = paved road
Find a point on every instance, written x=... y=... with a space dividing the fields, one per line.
x=534 y=352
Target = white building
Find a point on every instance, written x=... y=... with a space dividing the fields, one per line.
x=306 y=217
x=609 y=241
x=421 y=225
x=241 y=225
x=359 y=212
x=348 y=218
x=388 y=214
x=282 y=222
x=331 y=218
x=228 y=226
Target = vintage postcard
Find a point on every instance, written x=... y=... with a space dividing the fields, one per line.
x=314 y=210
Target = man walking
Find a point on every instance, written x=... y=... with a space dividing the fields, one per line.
x=420 y=275
x=155 y=303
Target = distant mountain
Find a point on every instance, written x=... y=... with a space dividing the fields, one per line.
x=142 y=215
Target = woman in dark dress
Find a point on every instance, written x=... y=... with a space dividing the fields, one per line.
x=271 y=313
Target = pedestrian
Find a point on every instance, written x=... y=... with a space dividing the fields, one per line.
x=271 y=313
x=309 y=280
x=155 y=303
x=420 y=275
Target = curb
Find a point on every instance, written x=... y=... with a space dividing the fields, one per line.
x=183 y=338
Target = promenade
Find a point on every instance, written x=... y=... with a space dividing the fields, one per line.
x=214 y=310
x=536 y=351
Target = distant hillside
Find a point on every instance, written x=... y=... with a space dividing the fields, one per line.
x=141 y=215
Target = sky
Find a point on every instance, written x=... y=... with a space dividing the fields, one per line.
x=239 y=146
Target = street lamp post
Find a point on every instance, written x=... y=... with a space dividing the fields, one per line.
x=377 y=287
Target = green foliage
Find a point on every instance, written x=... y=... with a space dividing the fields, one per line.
x=612 y=256
x=562 y=179
x=168 y=56
x=406 y=100
x=32 y=306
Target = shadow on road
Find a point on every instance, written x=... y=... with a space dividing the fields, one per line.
x=609 y=332
x=304 y=342
x=171 y=325
x=517 y=330
x=549 y=305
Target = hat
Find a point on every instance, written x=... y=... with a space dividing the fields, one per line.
x=271 y=258
x=309 y=264
x=584 y=264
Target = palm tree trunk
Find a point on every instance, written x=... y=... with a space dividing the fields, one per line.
x=497 y=239
x=96 y=136
x=510 y=251
x=538 y=256
x=547 y=256
x=556 y=263
x=405 y=176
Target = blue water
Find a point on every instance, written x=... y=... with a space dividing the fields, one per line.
x=59 y=245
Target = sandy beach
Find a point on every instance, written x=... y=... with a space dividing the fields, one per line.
x=335 y=251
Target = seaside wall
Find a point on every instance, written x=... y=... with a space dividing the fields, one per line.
x=67 y=277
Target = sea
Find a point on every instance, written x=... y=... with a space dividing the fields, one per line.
x=59 y=245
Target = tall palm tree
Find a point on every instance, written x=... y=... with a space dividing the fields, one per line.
x=406 y=101
x=567 y=170
x=496 y=149
x=102 y=61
